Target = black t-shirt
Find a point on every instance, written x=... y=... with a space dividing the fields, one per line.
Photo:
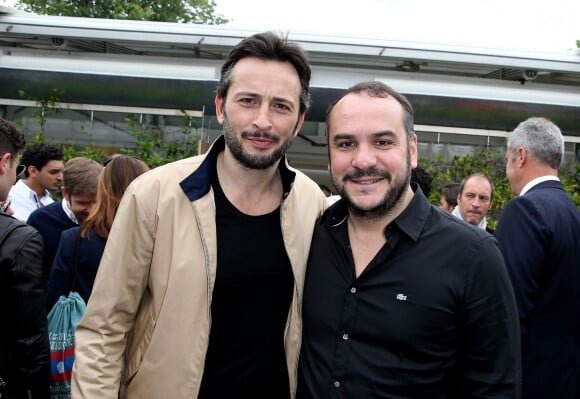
x=250 y=306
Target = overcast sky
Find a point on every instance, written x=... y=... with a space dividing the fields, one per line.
x=549 y=25
x=544 y=25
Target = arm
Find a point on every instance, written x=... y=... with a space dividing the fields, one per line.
x=521 y=236
x=31 y=347
x=491 y=360
x=117 y=292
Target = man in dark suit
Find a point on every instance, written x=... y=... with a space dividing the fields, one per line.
x=539 y=236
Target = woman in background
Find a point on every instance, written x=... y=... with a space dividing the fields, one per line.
x=119 y=171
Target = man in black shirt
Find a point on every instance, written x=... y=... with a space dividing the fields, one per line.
x=401 y=299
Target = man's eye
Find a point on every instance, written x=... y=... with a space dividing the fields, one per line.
x=345 y=144
x=282 y=107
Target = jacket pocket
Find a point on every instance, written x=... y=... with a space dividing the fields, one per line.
x=138 y=343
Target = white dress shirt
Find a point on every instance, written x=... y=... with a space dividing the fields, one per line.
x=24 y=200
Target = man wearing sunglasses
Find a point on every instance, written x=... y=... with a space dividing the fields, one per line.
x=24 y=348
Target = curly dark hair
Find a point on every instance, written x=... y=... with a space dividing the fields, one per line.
x=269 y=46
x=38 y=155
x=423 y=179
x=11 y=139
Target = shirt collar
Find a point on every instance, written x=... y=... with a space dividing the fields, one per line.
x=413 y=218
x=68 y=211
x=33 y=197
x=410 y=221
x=537 y=181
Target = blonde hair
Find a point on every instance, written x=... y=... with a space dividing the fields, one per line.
x=118 y=173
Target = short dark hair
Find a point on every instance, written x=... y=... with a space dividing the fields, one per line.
x=269 y=46
x=449 y=192
x=11 y=139
x=38 y=155
x=379 y=89
x=482 y=176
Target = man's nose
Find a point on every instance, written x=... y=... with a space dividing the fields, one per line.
x=262 y=120
x=364 y=158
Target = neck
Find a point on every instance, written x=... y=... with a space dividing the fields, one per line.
x=32 y=184
x=253 y=192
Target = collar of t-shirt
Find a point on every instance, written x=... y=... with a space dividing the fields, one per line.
x=69 y=213
x=537 y=181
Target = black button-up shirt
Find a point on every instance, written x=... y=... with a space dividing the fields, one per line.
x=432 y=316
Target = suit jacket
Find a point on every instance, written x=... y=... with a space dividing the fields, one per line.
x=539 y=236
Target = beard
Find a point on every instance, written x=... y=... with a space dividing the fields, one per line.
x=398 y=186
x=254 y=161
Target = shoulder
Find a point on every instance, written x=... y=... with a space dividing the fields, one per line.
x=45 y=212
x=448 y=223
x=303 y=182
x=19 y=190
x=524 y=206
x=13 y=229
x=166 y=176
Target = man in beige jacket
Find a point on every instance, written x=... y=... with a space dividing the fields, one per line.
x=199 y=288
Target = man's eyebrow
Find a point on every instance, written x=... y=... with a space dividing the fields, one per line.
x=384 y=133
x=343 y=136
x=377 y=135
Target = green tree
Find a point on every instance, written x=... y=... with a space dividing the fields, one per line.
x=194 y=11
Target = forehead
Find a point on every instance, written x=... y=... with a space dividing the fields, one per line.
x=53 y=165
x=359 y=113
x=477 y=184
x=258 y=76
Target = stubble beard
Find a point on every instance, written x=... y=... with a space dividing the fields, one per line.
x=391 y=198
x=250 y=161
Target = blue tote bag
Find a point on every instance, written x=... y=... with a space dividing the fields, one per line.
x=63 y=319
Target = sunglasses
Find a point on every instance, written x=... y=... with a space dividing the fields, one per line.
x=20 y=171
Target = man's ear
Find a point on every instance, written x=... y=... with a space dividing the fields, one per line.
x=219 y=108
x=522 y=156
x=32 y=171
x=298 y=125
x=65 y=194
x=414 y=152
x=5 y=162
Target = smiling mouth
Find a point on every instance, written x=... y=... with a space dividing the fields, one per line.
x=367 y=181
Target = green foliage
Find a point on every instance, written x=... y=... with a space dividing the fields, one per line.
x=154 y=148
x=46 y=106
x=153 y=145
x=491 y=162
x=188 y=11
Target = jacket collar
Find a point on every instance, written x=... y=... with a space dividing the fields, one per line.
x=198 y=183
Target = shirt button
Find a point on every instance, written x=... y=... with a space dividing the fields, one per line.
x=336 y=384
x=353 y=290
x=345 y=336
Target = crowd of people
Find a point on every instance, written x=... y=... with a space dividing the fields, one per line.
x=232 y=275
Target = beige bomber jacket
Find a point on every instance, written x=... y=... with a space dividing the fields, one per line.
x=146 y=329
